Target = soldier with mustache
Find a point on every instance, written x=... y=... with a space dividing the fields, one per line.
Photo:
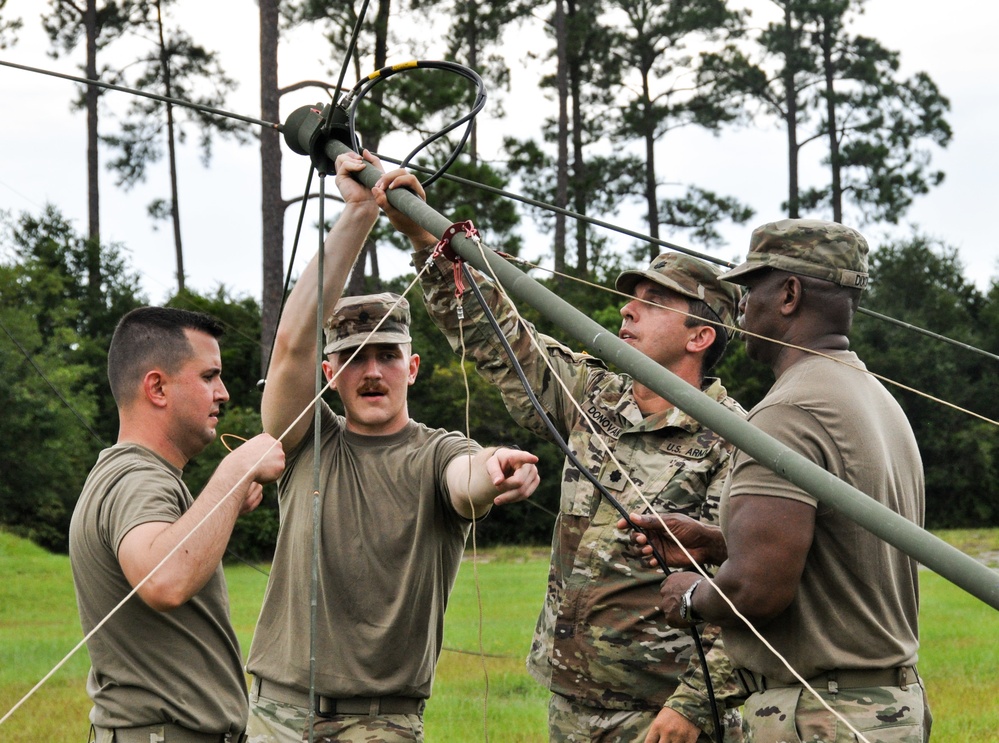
x=397 y=501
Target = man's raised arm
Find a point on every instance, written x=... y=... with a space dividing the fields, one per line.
x=291 y=377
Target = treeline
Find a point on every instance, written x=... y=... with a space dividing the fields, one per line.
x=58 y=414
x=612 y=80
x=618 y=77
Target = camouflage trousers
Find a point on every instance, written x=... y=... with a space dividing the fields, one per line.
x=275 y=722
x=570 y=722
x=882 y=714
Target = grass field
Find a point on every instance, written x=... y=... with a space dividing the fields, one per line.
x=482 y=689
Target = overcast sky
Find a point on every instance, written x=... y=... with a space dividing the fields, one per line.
x=44 y=145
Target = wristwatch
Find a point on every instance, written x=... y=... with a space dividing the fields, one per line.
x=687 y=605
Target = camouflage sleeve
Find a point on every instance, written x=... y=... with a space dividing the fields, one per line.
x=722 y=455
x=475 y=335
x=691 y=697
x=709 y=510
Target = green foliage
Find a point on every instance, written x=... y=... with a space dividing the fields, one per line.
x=628 y=72
x=745 y=380
x=43 y=446
x=599 y=188
x=58 y=410
x=875 y=121
x=141 y=140
x=475 y=29
x=240 y=346
x=921 y=282
x=828 y=86
x=699 y=212
x=176 y=67
x=655 y=43
x=8 y=29
x=255 y=533
x=65 y=20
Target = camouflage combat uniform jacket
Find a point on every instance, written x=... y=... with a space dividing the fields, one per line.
x=600 y=638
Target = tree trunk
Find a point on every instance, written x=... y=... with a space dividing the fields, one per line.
x=172 y=150
x=371 y=141
x=562 y=166
x=272 y=205
x=791 y=116
x=579 y=174
x=651 y=196
x=836 y=189
x=93 y=163
x=92 y=93
x=472 y=39
x=93 y=246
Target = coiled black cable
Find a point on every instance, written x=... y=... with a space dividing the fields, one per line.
x=363 y=87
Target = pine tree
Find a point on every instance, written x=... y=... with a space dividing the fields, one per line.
x=655 y=42
x=176 y=67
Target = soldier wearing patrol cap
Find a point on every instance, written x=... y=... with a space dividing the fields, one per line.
x=397 y=502
x=713 y=301
x=610 y=663
x=372 y=318
x=837 y=602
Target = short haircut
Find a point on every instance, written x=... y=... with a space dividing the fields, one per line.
x=149 y=337
x=699 y=313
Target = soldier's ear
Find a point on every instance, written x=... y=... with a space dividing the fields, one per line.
x=791 y=293
x=414 y=367
x=701 y=338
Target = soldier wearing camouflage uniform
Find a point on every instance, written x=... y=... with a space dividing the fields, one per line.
x=600 y=644
x=837 y=602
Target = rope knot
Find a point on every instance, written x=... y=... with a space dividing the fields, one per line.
x=444 y=248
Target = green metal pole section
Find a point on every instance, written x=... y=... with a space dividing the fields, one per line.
x=916 y=542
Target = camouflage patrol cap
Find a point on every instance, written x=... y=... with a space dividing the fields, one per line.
x=808 y=247
x=354 y=318
x=690 y=277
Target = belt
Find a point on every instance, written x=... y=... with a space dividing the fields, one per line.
x=329 y=706
x=835 y=680
x=169 y=733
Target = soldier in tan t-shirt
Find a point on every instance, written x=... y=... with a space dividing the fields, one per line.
x=837 y=602
x=166 y=665
x=397 y=501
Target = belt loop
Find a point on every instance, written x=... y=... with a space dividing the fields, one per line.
x=374 y=708
x=903 y=678
x=255 y=690
x=832 y=683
